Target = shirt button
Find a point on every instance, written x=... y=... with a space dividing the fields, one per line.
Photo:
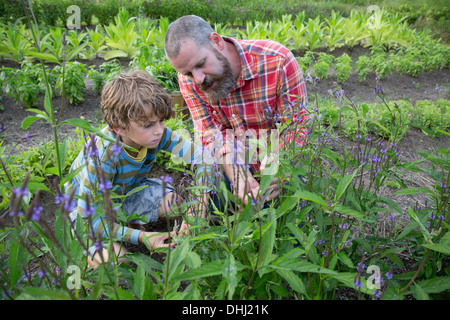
x=233 y=115
x=215 y=112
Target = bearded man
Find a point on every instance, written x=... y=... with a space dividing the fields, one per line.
x=239 y=85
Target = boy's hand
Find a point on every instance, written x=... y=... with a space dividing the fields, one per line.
x=183 y=227
x=156 y=239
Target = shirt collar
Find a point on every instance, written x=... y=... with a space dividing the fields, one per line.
x=248 y=71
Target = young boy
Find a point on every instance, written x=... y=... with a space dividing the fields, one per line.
x=134 y=107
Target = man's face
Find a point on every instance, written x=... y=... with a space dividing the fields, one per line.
x=206 y=67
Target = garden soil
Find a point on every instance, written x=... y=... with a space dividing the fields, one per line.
x=395 y=87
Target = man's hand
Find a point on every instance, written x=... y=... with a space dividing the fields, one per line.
x=274 y=187
x=156 y=239
x=245 y=183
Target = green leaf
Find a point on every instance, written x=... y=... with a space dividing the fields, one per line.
x=345 y=259
x=208 y=269
x=193 y=260
x=146 y=262
x=435 y=285
x=30 y=120
x=416 y=219
x=115 y=54
x=143 y=285
x=42 y=294
x=177 y=255
x=229 y=273
x=343 y=185
x=445 y=249
x=351 y=212
x=48 y=106
x=293 y=281
x=415 y=190
x=419 y=293
x=303 y=194
x=43 y=56
x=267 y=243
x=348 y=278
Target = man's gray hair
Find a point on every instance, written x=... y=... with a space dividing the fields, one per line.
x=189 y=27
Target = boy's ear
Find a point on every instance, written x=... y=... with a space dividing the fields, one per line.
x=117 y=131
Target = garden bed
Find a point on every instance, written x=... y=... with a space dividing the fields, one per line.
x=358 y=221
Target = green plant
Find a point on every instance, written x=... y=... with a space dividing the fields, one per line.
x=334 y=31
x=314 y=33
x=297 y=32
x=71 y=81
x=59 y=46
x=13 y=43
x=96 y=44
x=363 y=67
x=307 y=60
x=354 y=28
x=432 y=115
x=121 y=36
x=22 y=84
x=380 y=64
x=343 y=67
x=322 y=65
x=103 y=74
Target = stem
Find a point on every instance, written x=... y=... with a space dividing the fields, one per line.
x=417 y=272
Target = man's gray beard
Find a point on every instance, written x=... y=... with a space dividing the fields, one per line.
x=224 y=83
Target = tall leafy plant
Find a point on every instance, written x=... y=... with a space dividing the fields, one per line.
x=121 y=36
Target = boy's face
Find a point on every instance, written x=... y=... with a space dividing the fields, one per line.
x=146 y=135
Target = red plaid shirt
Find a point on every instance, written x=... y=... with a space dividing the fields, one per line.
x=269 y=89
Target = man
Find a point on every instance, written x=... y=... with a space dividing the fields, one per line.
x=239 y=85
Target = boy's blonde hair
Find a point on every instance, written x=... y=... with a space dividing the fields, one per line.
x=134 y=96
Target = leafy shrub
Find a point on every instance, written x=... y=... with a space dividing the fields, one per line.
x=363 y=67
x=323 y=64
x=104 y=73
x=71 y=83
x=343 y=67
x=432 y=114
x=22 y=84
x=307 y=60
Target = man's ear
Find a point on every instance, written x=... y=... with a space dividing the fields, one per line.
x=217 y=41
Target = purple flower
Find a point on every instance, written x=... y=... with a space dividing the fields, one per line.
x=376 y=294
x=105 y=185
x=166 y=179
x=339 y=94
x=344 y=226
x=17 y=214
x=116 y=149
x=21 y=192
x=91 y=147
x=357 y=283
x=98 y=245
x=389 y=275
x=378 y=89
x=88 y=211
x=2 y=127
x=360 y=266
x=42 y=273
